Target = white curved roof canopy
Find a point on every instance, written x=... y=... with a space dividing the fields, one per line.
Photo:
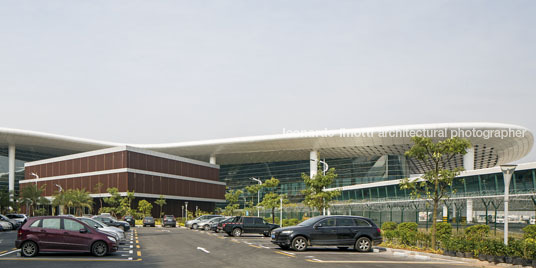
x=489 y=152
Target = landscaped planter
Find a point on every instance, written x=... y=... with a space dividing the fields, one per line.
x=490 y=258
x=499 y=259
x=469 y=254
x=460 y=254
x=527 y=262
x=509 y=260
x=534 y=263
x=483 y=257
x=517 y=261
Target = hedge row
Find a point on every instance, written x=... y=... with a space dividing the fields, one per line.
x=475 y=242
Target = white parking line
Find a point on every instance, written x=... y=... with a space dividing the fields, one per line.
x=202 y=249
x=16 y=250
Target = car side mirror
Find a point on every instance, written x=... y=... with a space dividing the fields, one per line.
x=83 y=230
x=318 y=225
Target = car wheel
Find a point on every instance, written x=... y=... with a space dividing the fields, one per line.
x=99 y=249
x=267 y=234
x=299 y=243
x=285 y=247
x=207 y=228
x=363 y=244
x=237 y=232
x=194 y=226
x=29 y=249
x=342 y=248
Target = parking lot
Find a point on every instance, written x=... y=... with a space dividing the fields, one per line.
x=164 y=247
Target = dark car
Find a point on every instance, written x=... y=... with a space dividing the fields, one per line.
x=222 y=224
x=255 y=225
x=130 y=219
x=148 y=221
x=214 y=223
x=169 y=220
x=14 y=224
x=340 y=231
x=123 y=225
x=62 y=234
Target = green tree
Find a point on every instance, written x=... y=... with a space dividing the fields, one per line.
x=232 y=197
x=436 y=182
x=273 y=201
x=113 y=202
x=5 y=200
x=80 y=200
x=33 y=196
x=253 y=191
x=98 y=188
x=315 y=196
x=60 y=199
x=144 y=207
x=160 y=202
x=126 y=204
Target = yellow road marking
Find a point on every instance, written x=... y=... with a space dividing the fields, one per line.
x=255 y=246
x=139 y=253
x=283 y=253
x=137 y=246
x=220 y=237
x=137 y=242
x=2 y=252
x=51 y=259
x=389 y=262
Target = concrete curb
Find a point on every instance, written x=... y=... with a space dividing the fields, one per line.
x=428 y=256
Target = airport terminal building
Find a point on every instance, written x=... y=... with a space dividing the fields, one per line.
x=369 y=162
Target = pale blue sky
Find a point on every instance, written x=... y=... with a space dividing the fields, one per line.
x=168 y=71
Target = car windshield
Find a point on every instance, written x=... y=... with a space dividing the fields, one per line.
x=148 y=218
x=91 y=222
x=309 y=222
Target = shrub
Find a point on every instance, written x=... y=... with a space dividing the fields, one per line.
x=407 y=232
x=529 y=232
x=443 y=232
x=455 y=243
x=290 y=222
x=529 y=248
x=390 y=235
x=514 y=248
x=389 y=226
x=476 y=232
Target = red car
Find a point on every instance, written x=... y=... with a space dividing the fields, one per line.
x=62 y=234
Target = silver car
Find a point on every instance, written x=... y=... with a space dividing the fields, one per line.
x=193 y=224
x=6 y=226
x=205 y=224
x=116 y=232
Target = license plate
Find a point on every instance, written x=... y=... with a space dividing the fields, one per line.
x=273 y=236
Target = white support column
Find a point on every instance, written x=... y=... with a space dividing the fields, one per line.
x=212 y=159
x=469 y=159
x=11 y=168
x=469 y=210
x=445 y=211
x=313 y=163
x=454 y=212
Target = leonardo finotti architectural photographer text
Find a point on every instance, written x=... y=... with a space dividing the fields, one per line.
x=408 y=133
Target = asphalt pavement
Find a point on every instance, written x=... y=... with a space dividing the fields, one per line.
x=180 y=247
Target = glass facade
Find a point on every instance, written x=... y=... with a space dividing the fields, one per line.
x=350 y=171
x=21 y=157
x=523 y=181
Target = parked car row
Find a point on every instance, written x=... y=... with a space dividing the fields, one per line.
x=11 y=221
x=340 y=231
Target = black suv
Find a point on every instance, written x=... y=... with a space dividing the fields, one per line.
x=123 y=225
x=340 y=231
x=254 y=225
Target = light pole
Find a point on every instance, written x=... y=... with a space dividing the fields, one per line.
x=258 y=194
x=325 y=168
x=186 y=204
x=507 y=171
x=182 y=211
x=59 y=191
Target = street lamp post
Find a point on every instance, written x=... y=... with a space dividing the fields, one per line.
x=182 y=211
x=325 y=168
x=507 y=171
x=186 y=204
x=258 y=194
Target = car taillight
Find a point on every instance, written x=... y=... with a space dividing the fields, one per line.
x=19 y=233
x=223 y=225
x=379 y=230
